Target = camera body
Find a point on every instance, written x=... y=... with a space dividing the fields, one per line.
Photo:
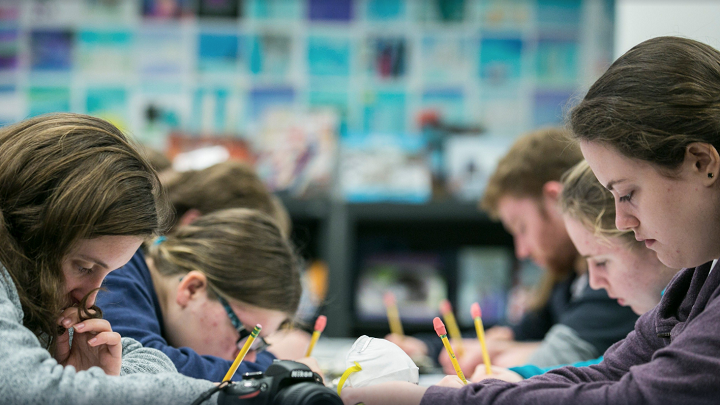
x=285 y=382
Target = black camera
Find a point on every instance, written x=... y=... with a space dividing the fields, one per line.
x=285 y=382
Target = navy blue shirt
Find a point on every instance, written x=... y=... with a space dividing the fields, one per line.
x=131 y=306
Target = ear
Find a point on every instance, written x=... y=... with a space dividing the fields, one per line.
x=189 y=217
x=192 y=286
x=704 y=161
x=551 y=192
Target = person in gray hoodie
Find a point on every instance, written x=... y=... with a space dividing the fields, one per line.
x=650 y=130
x=76 y=201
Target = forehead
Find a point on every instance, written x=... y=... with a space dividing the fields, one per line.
x=609 y=165
x=585 y=241
x=511 y=208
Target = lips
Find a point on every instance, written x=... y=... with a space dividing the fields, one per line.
x=649 y=242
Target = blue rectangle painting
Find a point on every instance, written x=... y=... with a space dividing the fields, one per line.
x=328 y=56
x=447 y=102
x=51 y=50
x=384 y=112
x=557 y=61
x=330 y=10
x=500 y=59
x=385 y=9
x=549 y=107
x=261 y=99
x=43 y=100
x=218 y=52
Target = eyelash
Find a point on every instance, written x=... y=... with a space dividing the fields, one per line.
x=85 y=270
x=626 y=198
x=600 y=264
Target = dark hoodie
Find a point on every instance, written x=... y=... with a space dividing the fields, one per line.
x=672 y=357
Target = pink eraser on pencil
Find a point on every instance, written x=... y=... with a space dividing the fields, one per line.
x=475 y=310
x=389 y=299
x=320 y=323
x=445 y=307
x=439 y=326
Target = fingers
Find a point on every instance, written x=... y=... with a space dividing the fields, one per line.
x=93 y=325
x=105 y=338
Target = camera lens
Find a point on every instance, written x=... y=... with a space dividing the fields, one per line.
x=307 y=393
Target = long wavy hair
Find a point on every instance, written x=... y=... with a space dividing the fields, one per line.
x=63 y=178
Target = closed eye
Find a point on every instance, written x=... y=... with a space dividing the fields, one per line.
x=626 y=197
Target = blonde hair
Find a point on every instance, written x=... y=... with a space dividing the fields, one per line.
x=243 y=254
x=533 y=160
x=586 y=200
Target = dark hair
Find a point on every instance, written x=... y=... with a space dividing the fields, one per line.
x=63 y=178
x=242 y=252
x=230 y=184
x=657 y=98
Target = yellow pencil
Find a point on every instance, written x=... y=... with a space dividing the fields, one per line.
x=319 y=328
x=440 y=330
x=393 y=314
x=476 y=314
x=449 y=317
x=246 y=347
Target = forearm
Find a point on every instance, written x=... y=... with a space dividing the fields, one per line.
x=389 y=393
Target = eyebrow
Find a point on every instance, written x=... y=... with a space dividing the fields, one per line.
x=96 y=261
x=612 y=183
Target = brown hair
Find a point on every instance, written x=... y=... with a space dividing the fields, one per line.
x=653 y=101
x=63 y=178
x=586 y=200
x=243 y=254
x=533 y=160
x=229 y=184
x=157 y=159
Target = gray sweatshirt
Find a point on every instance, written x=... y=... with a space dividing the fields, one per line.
x=30 y=375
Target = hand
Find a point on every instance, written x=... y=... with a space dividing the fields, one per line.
x=498 y=373
x=472 y=356
x=499 y=333
x=515 y=354
x=412 y=346
x=451 y=381
x=388 y=393
x=94 y=344
x=291 y=344
x=313 y=364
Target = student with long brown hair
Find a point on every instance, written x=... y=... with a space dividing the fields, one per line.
x=76 y=201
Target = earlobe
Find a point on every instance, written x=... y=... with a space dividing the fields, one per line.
x=705 y=160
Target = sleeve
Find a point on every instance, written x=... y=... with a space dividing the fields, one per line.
x=29 y=375
x=139 y=359
x=562 y=346
x=639 y=369
x=129 y=307
x=534 y=325
x=530 y=370
x=599 y=320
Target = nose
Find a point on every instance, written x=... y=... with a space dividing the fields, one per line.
x=597 y=278
x=625 y=221
x=91 y=289
x=521 y=249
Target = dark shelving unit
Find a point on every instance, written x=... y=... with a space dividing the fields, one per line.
x=342 y=233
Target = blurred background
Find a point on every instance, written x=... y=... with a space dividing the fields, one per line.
x=377 y=122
